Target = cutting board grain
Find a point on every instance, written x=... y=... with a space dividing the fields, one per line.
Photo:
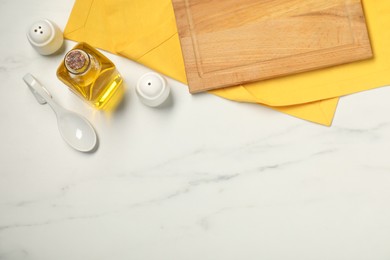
x=231 y=42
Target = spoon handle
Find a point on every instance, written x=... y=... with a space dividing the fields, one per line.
x=40 y=93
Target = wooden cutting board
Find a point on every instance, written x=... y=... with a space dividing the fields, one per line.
x=231 y=42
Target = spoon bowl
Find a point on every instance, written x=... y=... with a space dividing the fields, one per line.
x=77 y=131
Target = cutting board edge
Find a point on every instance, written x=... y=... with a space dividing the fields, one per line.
x=201 y=85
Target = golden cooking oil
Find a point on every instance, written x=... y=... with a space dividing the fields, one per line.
x=92 y=76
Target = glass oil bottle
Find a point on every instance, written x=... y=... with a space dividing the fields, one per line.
x=92 y=76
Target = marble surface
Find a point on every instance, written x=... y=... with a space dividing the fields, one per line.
x=200 y=178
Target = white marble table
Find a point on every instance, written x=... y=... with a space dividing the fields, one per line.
x=202 y=178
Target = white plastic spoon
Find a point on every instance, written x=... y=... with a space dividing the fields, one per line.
x=75 y=129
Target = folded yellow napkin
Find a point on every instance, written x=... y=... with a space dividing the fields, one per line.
x=145 y=31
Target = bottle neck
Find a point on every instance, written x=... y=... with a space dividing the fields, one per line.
x=77 y=62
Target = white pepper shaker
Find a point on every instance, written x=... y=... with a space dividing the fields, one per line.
x=45 y=36
x=152 y=89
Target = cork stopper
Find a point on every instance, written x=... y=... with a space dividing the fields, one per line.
x=77 y=61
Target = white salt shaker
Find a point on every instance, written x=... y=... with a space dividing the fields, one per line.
x=45 y=36
x=152 y=89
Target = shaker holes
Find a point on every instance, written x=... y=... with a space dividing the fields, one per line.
x=40 y=30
